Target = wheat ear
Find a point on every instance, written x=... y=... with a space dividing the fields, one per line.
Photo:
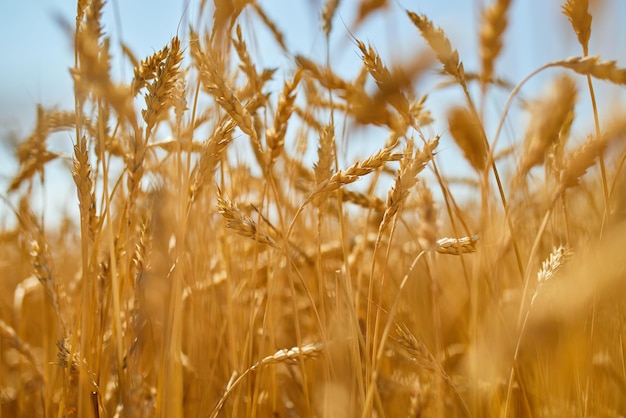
x=492 y=28
x=289 y=356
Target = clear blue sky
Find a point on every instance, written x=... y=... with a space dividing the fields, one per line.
x=37 y=54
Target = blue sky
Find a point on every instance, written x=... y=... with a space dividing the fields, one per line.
x=37 y=53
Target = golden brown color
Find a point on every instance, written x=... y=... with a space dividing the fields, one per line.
x=196 y=284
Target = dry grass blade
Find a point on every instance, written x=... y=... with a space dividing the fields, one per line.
x=493 y=26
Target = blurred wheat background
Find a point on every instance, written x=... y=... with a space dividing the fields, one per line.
x=364 y=215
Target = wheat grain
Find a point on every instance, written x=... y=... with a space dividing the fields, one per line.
x=457 y=246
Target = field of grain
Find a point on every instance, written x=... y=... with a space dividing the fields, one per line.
x=228 y=260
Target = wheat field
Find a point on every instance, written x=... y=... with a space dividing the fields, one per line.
x=228 y=260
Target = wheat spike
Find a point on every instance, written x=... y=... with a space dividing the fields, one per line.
x=285 y=355
x=160 y=92
x=594 y=66
x=275 y=137
x=577 y=11
x=241 y=223
x=325 y=76
x=467 y=132
x=550 y=267
x=12 y=339
x=357 y=170
x=328 y=12
x=211 y=154
x=548 y=117
x=84 y=186
x=147 y=69
x=440 y=44
x=410 y=166
x=492 y=28
x=457 y=246
x=211 y=74
x=579 y=160
x=276 y=32
x=363 y=200
x=429 y=226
